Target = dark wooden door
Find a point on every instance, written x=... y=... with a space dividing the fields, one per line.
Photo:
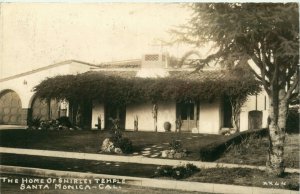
x=114 y=112
x=255 y=120
x=10 y=108
x=188 y=114
x=227 y=113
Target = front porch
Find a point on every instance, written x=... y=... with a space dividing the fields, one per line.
x=196 y=117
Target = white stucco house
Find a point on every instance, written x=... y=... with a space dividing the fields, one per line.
x=17 y=99
x=18 y=102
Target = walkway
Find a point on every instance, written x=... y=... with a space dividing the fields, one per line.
x=2 y=127
x=127 y=159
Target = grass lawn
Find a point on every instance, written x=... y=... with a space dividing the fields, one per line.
x=236 y=176
x=150 y=144
x=100 y=167
x=90 y=141
x=254 y=152
x=248 y=177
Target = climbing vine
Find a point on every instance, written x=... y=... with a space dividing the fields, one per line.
x=103 y=88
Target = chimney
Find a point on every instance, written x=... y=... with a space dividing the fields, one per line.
x=154 y=66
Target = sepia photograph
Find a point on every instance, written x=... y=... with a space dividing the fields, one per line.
x=153 y=97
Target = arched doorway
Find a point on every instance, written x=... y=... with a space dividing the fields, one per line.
x=44 y=109
x=10 y=108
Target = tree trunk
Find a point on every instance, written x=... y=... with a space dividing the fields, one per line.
x=235 y=118
x=233 y=122
x=154 y=114
x=277 y=122
x=235 y=113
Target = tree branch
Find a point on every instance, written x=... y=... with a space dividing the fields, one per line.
x=259 y=64
x=256 y=75
x=293 y=86
x=263 y=76
x=265 y=62
x=275 y=74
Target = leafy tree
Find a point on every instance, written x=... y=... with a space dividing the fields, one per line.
x=235 y=97
x=264 y=36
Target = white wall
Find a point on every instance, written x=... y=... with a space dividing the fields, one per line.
x=244 y=119
x=265 y=119
x=210 y=116
x=144 y=113
x=166 y=112
x=210 y=120
x=250 y=105
x=25 y=90
x=97 y=110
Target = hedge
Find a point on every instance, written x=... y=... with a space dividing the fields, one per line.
x=292 y=123
x=214 y=150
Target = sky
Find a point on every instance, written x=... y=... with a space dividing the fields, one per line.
x=37 y=35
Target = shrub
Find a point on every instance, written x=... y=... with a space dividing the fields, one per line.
x=246 y=144
x=164 y=171
x=115 y=123
x=118 y=140
x=180 y=172
x=64 y=121
x=292 y=186
x=175 y=150
x=124 y=144
x=49 y=125
x=34 y=123
x=177 y=172
x=214 y=150
x=115 y=134
x=175 y=145
x=191 y=168
x=58 y=124
x=292 y=123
